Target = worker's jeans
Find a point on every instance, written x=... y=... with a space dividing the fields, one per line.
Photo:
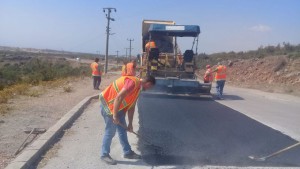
x=220 y=87
x=110 y=130
x=96 y=82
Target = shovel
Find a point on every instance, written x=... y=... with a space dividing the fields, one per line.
x=157 y=149
x=273 y=154
x=32 y=131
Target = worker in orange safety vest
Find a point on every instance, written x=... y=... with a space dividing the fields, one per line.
x=131 y=68
x=150 y=44
x=116 y=100
x=208 y=76
x=96 y=73
x=220 y=78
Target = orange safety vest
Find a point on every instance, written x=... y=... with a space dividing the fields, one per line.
x=124 y=71
x=150 y=45
x=107 y=97
x=208 y=76
x=95 y=71
x=221 y=73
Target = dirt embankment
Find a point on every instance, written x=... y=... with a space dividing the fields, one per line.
x=273 y=74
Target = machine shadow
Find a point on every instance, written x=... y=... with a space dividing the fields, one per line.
x=203 y=132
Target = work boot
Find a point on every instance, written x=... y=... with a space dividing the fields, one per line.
x=132 y=155
x=108 y=160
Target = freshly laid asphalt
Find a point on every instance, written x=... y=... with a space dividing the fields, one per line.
x=205 y=132
x=194 y=133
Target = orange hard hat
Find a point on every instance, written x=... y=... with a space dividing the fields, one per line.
x=207 y=66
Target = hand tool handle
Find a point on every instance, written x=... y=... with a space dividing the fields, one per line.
x=122 y=125
x=24 y=142
x=285 y=149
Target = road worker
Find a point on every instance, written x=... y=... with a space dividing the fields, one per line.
x=208 y=76
x=96 y=74
x=150 y=44
x=117 y=99
x=131 y=68
x=220 y=78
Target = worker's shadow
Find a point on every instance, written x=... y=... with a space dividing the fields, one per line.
x=231 y=97
x=205 y=132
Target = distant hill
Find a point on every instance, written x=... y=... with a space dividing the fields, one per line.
x=48 y=51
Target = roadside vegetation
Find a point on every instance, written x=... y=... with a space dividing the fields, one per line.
x=285 y=49
x=20 y=75
x=269 y=68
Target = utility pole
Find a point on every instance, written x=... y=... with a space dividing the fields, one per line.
x=108 y=10
x=117 y=57
x=130 y=48
x=126 y=52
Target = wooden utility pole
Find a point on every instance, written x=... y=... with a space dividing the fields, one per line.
x=130 y=48
x=117 y=57
x=108 y=10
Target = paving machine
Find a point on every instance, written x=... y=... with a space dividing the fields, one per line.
x=174 y=70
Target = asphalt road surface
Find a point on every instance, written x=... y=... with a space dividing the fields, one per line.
x=194 y=133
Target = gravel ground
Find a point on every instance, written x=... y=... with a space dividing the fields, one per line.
x=42 y=112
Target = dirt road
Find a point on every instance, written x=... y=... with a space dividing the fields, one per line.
x=193 y=132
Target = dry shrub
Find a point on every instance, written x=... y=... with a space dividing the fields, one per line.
x=67 y=89
x=279 y=64
x=53 y=84
x=33 y=93
x=12 y=91
x=20 y=89
x=3 y=97
x=288 y=90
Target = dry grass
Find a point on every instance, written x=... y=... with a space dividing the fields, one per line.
x=67 y=89
x=12 y=91
x=4 y=108
x=32 y=91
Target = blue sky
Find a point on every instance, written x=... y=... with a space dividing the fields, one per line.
x=79 y=25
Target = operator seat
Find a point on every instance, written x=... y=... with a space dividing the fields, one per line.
x=188 y=56
x=188 y=61
x=153 y=54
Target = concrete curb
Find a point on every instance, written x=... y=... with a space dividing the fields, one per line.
x=33 y=152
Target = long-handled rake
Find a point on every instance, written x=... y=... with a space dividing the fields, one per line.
x=29 y=132
x=273 y=154
x=157 y=149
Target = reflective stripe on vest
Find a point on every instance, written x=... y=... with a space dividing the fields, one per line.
x=108 y=96
x=221 y=73
x=154 y=64
x=95 y=71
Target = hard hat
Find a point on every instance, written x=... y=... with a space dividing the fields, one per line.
x=207 y=66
